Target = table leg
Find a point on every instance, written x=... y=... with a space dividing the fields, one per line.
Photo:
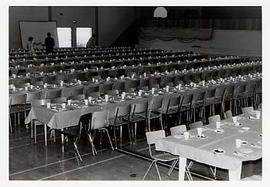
x=62 y=141
x=45 y=133
x=31 y=128
x=235 y=174
x=182 y=168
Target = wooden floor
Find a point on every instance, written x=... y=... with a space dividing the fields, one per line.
x=29 y=161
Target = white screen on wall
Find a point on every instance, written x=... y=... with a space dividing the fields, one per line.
x=64 y=36
x=37 y=30
x=83 y=35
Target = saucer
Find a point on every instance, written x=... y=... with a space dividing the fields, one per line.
x=219 y=131
x=219 y=151
x=202 y=136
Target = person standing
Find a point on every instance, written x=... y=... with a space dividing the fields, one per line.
x=49 y=43
x=91 y=42
x=31 y=44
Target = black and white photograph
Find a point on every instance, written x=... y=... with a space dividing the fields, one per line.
x=143 y=92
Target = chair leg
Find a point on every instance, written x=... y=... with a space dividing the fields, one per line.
x=35 y=133
x=107 y=132
x=157 y=171
x=121 y=134
x=135 y=131
x=172 y=167
x=45 y=133
x=148 y=169
x=19 y=121
x=148 y=124
x=94 y=152
x=129 y=134
x=10 y=125
x=115 y=139
x=214 y=171
x=31 y=128
x=161 y=123
x=77 y=151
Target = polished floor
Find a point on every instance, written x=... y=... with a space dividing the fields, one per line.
x=29 y=161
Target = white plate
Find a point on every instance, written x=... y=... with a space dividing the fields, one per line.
x=245 y=128
x=246 y=150
x=178 y=136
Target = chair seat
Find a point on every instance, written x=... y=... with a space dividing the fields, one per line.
x=165 y=157
x=199 y=103
x=71 y=131
x=137 y=118
x=253 y=178
x=218 y=99
x=118 y=122
x=210 y=100
x=154 y=114
x=16 y=109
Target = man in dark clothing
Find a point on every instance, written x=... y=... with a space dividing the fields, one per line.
x=49 y=43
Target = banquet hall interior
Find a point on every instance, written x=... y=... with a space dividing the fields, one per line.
x=135 y=93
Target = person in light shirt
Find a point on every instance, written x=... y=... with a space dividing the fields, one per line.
x=31 y=44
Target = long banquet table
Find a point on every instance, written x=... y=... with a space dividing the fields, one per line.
x=202 y=149
x=56 y=118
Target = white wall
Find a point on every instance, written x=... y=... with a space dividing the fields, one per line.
x=233 y=42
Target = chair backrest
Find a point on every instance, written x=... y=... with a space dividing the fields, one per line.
x=251 y=87
x=155 y=86
x=144 y=82
x=153 y=136
x=119 y=86
x=210 y=93
x=104 y=88
x=39 y=102
x=199 y=96
x=132 y=84
x=113 y=92
x=49 y=79
x=214 y=119
x=173 y=102
x=59 y=100
x=230 y=90
x=187 y=100
x=77 y=97
x=241 y=88
x=228 y=114
x=121 y=111
x=92 y=89
x=155 y=103
x=195 y=125
x=52 y=94
x=246 y=110
x=85 y=121
x=77 y=91
x=99 y=120
x=17 y=99
x=178 y=129
x=38 y=83
x=138 y=108
x=33 y=95
x=93 y=94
